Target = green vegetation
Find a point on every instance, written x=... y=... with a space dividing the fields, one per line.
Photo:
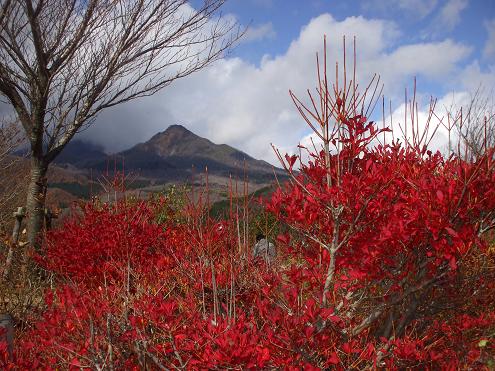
x=85 y=191
x=79 y=190
x=220 y=209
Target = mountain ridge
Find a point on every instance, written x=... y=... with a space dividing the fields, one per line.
x=171 y=155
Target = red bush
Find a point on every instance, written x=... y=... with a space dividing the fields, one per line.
x=385 y=264
x=184 y=297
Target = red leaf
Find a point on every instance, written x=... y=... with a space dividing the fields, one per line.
x=333 y=359
x=346 y=348
x=453 y=263
x=440 y=195
x=284 y=238
x=75 y=362
x=368 y=164
x=451 y=232
x=291 y=160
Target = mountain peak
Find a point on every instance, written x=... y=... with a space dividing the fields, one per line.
x=173 y=134
x=177 y=129
x=179 y=146
x=173 y=138
x=171 y=154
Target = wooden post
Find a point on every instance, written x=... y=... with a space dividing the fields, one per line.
x=7 y=334
x=49 y=216
x=19 y=216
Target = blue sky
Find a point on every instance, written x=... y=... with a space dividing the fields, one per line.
x=418 y=20
x=242 y=100
x=276 y=23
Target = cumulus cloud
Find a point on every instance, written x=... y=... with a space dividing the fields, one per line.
x=248 y=106
x=473 y=76
x=434 y=61
x=259 y=32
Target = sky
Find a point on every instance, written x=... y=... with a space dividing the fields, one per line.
x=242 y=100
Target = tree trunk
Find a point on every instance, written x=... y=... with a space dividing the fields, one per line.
x=35 y=203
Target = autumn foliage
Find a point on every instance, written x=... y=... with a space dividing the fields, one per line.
x=386 y=261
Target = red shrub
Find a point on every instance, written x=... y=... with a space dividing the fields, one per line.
x=385 y=265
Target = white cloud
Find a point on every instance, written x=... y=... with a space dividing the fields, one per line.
x=473 y=76
x=434 y=60
x=259 y=32
x=489 y=49
x=420 y=7
x=248 y=107
x=450 y=14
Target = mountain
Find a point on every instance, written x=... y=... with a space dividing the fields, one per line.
x=80 y=154
x=178 y=150
x=170 y=156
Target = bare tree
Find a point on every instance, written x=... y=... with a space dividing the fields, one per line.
x=13 y=174
x=475 y=124
x=64 y=61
